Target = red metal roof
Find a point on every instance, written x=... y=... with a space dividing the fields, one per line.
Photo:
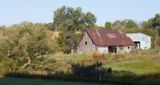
x=103 y=37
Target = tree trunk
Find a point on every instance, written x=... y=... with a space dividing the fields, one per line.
x=155 y=44
x=26 y=64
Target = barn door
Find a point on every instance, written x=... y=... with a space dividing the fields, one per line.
x=112 y=49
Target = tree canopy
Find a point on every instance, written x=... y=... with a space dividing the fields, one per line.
x=70 y=19
x=23 y=42
x=126 y=23
x=108 y=25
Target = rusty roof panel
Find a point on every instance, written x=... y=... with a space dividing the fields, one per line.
x=103 y=37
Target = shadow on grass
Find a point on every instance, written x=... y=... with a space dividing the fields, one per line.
x=94 y=73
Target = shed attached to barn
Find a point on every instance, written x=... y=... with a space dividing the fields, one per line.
x=105 y=41
x=141 y=40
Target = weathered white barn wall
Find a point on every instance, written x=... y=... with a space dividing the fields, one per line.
x=102 y=49
x=86 y=45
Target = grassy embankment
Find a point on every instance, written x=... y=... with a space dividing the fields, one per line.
x=142 y=63
x=139 y=62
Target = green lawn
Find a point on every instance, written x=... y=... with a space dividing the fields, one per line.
x=139 y=67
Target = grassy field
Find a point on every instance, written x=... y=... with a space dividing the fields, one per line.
x=144 y=64
x=138 y=67
x=138 y=62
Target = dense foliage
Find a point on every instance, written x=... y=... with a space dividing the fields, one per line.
x=21 y=43
x=70 y=19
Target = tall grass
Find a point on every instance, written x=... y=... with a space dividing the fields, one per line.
x=140 y=62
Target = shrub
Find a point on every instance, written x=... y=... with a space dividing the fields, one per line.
x=67 y=50
x=99 y=57
x=119 y=57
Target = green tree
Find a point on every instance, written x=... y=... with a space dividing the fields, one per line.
x=24 y=42
x=117 y=24
x=68 y=40
x=70 y=21
x=128 y=23
x=156 y=21
x=108 y=25
x=153 y=23
x=90 y=19
x=68 y=18
x=147 y=24
x=50 y=26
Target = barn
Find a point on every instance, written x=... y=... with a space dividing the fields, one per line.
x=141 y=40
x=105 y=41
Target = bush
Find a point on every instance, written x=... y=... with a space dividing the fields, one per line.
x=67 y=50
x=99 y=57
x=119 y=57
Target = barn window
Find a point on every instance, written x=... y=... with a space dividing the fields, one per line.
x=85 y=42
x=128 y=47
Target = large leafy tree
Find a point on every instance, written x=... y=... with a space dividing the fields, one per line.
x=24 y=42
x=68 y=40
x=70 y=19
x=153 y=23
x=156 y=21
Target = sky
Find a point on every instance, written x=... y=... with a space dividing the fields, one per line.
x=41 y=11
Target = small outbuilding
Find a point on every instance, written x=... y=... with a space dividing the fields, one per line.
x=141 y=40
x=105 y=41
